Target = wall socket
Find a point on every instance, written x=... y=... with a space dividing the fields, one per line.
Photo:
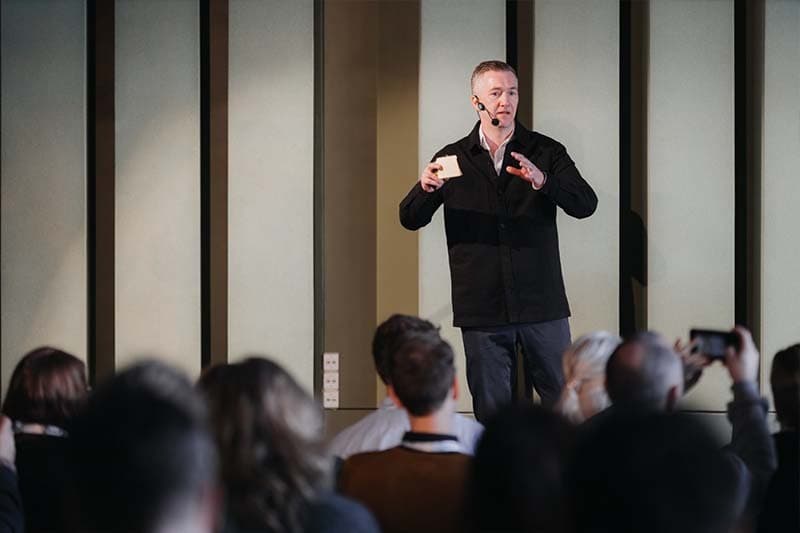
x=330 y=399
x=330 y=381
x=330 y=362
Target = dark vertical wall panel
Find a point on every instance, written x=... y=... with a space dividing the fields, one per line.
x=634 y=53
x=100 y=189
x=214 y=179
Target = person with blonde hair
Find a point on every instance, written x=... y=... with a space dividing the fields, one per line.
x=584 y=393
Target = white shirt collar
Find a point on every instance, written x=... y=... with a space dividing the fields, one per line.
x=500 y=153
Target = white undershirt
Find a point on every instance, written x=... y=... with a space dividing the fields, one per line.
x=499 y=154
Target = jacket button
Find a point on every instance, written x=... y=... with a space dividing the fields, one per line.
x=502 y=226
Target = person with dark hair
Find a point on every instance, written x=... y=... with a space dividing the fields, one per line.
x=781 y=511
x=384 y=428
x=501 y=187
x=275 y=470
x=47 y=390
x=142 y=458
x=420 y=484
x=519 y=471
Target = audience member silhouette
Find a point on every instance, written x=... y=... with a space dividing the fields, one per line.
x=274 y=465
x=384 y=428
x=143 y=459
x=519 y=471
x=584 y=362
x=781 y=511
x=47 y=390
x=11 y=517
x=654 y=472
x=420 y=484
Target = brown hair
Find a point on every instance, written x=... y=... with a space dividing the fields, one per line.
x=421 y=372
x=269 y=436
x=489 y=66
x=48 y=386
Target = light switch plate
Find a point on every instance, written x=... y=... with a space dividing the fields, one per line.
x=330 y=362
x=330 y=381
x=330 y=399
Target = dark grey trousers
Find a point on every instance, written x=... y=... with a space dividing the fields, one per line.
x=491 y=359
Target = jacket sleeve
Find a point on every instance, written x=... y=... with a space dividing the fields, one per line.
x=11 y=520
x=418 y=207
x=751 y=440
x=567 y=188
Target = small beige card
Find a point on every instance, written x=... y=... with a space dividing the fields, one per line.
x=450 y=168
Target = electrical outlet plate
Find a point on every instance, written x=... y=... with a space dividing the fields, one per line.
x=330 y=362
x=330 y=399
x=330 y=381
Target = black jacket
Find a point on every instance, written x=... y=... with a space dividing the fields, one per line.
x=501 y=233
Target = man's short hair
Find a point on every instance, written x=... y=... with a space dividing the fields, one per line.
x=489 y=66
x=785 y=381
x=141 y=451
x=421 y=372
x=389 y=335
x=642 y=380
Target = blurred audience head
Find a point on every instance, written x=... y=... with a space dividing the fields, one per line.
x=269 y=434
x=389 y=333
x=519 y=471
x=785 y=381
x=658 y=473
x=584 y=364
x=644 y=374
x=47 y=387
x=143 y=457
x=422 y=374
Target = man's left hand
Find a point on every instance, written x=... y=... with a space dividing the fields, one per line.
x=527 y=171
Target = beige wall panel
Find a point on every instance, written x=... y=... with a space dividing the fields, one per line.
x=158 y=182
x=271 y=145
x=397 y=275
x=576 y=101
x=691 y=177
x=43 y=178
x=456 y=35
x=350 y=163
x=780 y=260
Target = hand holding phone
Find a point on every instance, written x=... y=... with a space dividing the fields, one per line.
x=714 y=343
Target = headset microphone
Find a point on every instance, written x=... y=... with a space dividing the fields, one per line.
x=495 y=120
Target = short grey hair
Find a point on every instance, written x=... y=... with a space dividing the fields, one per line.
x=493 y=65
x=643 y=382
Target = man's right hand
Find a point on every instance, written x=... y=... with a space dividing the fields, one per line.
x=742 y=363
x=428 y=179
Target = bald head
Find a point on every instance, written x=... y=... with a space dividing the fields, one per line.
x=644 y=373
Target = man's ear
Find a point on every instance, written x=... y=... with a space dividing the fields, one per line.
x=456 y=391
x=393 y=396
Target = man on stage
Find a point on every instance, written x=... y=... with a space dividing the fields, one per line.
x=500 y=188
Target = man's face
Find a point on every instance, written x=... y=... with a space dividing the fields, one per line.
x=498 y=91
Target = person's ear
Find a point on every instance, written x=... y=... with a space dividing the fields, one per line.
x=456 y=391
x=393 y=395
